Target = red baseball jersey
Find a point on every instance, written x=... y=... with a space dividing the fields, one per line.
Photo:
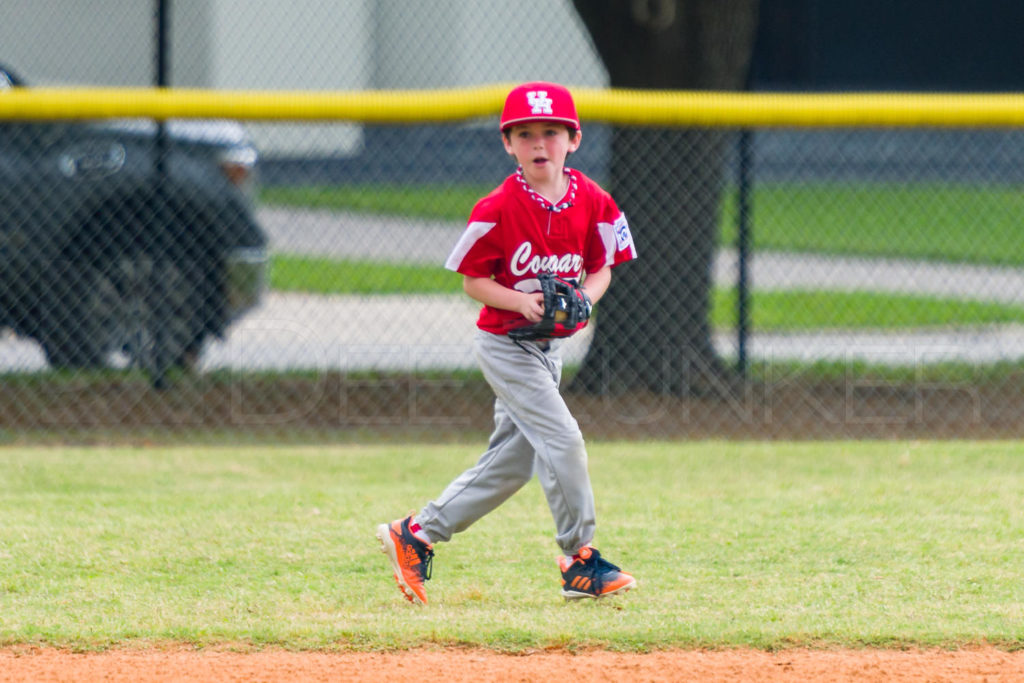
x=513 y=234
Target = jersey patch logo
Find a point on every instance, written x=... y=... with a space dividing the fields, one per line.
x=623 y=238
x=539 y=102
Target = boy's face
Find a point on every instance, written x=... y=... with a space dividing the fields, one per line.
x=541 y=148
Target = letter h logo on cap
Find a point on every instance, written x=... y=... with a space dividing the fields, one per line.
x=539 y=102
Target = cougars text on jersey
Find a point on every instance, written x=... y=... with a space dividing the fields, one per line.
x=513 y=238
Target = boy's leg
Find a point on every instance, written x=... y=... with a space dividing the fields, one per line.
x=525 y=378
x=530 y=419
x=501 y=471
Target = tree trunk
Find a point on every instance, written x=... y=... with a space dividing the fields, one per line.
x=652 y=329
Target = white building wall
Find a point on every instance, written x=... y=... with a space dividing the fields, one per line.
x=293 y=45
x=300 y=44
x=98 y=42
x=444 y=43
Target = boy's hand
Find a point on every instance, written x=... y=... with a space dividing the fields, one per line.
x=532 y=307
x=564 y=308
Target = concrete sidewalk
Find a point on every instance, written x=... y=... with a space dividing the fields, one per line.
x=344 y=235
x=403 y=332
x=293 y=331
x=296 y=331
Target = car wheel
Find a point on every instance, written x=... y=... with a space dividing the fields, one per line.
x=81 y=319
x=138 y=312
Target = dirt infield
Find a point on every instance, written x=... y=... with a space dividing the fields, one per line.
x=456 y=665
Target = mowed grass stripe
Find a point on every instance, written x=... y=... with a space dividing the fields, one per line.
x=734 y=544
x=775 y=310
x=943 y=221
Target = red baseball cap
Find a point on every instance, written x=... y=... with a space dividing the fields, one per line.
x=539 y=101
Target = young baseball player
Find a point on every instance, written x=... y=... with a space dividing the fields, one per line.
x=544 y=224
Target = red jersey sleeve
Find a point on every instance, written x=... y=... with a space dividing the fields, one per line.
x=611 y=243
x=478 y=253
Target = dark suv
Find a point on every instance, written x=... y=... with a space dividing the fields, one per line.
x=126 y=243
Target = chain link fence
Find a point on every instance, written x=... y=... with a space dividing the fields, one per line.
x=284 y=280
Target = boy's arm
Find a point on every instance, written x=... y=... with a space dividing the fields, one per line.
x=596 y=283
x=490 y=293
x=530 y=306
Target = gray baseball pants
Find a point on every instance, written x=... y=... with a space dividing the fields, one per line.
x=533 y=432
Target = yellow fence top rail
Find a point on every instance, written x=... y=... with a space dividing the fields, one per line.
x=622 y=107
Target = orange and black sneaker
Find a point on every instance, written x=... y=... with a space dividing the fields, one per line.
x=588 y=575
x=411 y=558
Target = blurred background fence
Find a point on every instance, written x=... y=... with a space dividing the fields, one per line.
x=278 y=274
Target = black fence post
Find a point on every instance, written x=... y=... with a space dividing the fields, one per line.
x=743 y=227
x=162 y=77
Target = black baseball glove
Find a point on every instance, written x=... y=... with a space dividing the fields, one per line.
x=566 y=311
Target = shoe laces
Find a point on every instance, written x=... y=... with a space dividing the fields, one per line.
x=426 y=561
x=423 y=551
x=596 y=567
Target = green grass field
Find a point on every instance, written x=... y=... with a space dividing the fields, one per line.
x=772 y=311
x=916 y=221
x=734 y=544
x=928 y=221
x=442 y=201
x=935 y=221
